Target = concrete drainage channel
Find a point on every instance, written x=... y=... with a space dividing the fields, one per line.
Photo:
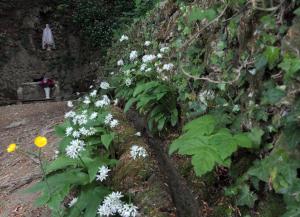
x=182 y=196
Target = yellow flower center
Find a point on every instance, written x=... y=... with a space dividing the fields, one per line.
x=40 y=141
x=11 y=148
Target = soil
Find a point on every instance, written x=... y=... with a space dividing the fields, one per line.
x=20 y=124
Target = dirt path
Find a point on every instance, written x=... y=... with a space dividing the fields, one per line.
x=20 y=124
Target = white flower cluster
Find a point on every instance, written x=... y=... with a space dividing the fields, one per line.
x=93 y=115
x=138 y=152
x=76 y=146
x=113 y=205
x=102 y=173
x=103 y=102
x=168 y=67
x=133 y=55
x=86 y=100
x=80 y=119
x=93 y=93
x=70 y=104
x=164 y=49
x=128 y=82
x=104 y=85
x=124 y=38
x=108 y=120
x=120 y=62
x=205 y=96
x=148 y=58
x=73 y=201
x=147 y=43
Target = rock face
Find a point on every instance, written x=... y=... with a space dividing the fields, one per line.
x=21 y=56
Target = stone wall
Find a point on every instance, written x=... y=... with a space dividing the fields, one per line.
x=22 y=58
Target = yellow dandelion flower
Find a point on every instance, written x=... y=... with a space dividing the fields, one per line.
x=11 y=148
x=40 y=141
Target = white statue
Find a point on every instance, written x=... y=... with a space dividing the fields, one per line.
x=48 y=40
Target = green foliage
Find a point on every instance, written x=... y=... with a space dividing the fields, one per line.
x=158 y=101
x=208 y=144
x=198 y=14
x=291 y=66
x=272 y=55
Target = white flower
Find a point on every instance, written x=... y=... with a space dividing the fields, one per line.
x=102 y=173
x=56 y=153
x=76 y=134
x=104 y=85
x=148 y=70
x=127 y=72
x=69 y=131
x=168 y=67
x=70 y=114
x=80 y=119
x=111 y=205
x=120 y=62
x=114 y=123
x=128 y=210
x=116 y=101
x=159 y=70
x=149 y=58
x=93 y=93
x=133 y=55
x=147 y=43
x=86 y=100
x=91 y=86
x=93 y=115
x=137 y=152
x=206 y=95
x=128 y=82
x=74 y=148
x=236 y=108
x=138 y=134
x=103 y=102
x=123 y=38
x=108 y=118
x=164 y=49
x=73 y=201
x=252 y=71
x=159 y=55
x=70 y=104
x=143 y=67
x=112 y=73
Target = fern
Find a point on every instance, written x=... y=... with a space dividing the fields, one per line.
x=208 y=144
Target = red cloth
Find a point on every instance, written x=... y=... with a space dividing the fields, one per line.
x=46 y=82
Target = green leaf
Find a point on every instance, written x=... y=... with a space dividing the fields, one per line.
x=174 y=117
x=161 y=123
x=198 y=14
x=207 y=148
x=60 y=130
x=129 y=104
x=255 y=135
x=88 y=201
x=107 y=139
x=272 y=55
x=272 y=96
x=297 y=12
x=61 y=163
x=246 y=197
x=291 y=66
x=243 y=140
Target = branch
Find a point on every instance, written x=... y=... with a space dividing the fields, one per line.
x=238 y=70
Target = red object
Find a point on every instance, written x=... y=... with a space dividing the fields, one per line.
x=46 y=82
